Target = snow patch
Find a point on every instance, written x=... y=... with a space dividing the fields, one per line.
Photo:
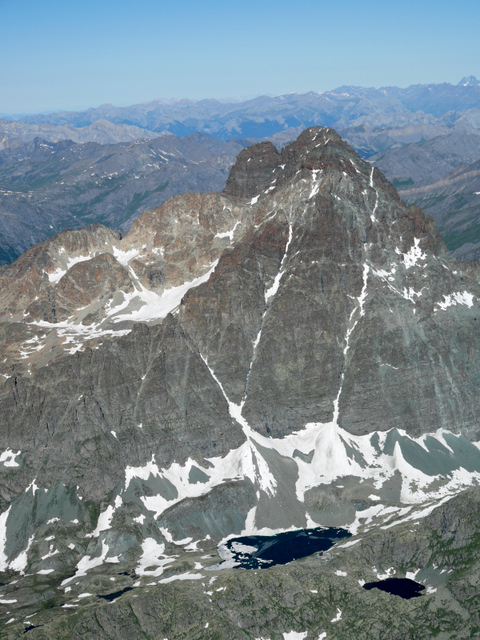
x=56 y=275
x=182 y=576
x=411 y=574
x=19 y=564
x=316 y=184
x=8 y=458
x=32 y=486
x=152 y=556
x=295 y=635
x=124 y=257
x=87 y=563
x=350 y=543
x=156 y=306
x=459 y=297
x=414 y=254
x=105 y=519
x=411 y=294
x=385 y=275
x=228 y=234
x=338 y=616
x=50 y=553
x=384 y=575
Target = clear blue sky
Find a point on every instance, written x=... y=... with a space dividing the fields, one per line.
x=63 y=55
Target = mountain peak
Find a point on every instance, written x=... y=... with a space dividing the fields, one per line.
x=262 y=165
x=469 y=81
x=252 y=170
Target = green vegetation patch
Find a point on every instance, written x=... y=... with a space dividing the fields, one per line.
x=402 y=182
x=455 y=240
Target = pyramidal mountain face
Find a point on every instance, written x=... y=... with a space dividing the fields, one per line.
x=298 y=351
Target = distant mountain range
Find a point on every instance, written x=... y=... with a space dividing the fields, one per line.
x=454 y=203
x=101 y=131
x=417 y=136
x=265 y=116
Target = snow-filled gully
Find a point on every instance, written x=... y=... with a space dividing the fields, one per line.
x=254 y=466
x=372 y=217
x=357 y=312
x=269 y=294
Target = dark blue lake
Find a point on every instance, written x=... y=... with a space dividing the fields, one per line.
x=113 y=596
x=403 y=587
x=261 y=552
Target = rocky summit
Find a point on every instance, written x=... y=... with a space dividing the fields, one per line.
x=300 y=350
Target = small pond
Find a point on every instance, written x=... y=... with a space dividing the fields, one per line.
x=403 y=587
x=113 y=596
x=261 y=552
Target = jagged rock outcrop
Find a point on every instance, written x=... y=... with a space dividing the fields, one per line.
x=47 y=187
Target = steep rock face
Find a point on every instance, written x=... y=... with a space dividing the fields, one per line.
x=252 y=170
x=326 y=298
x=225 y=326
x=82 y=286
x=357 y=313
x=148 y=394
x=87 y=281
x=28 y=279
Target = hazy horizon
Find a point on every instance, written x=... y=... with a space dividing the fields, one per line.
x=180 y=99
x=61 y=57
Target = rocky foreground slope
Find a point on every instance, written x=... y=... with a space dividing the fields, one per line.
x=299 y=350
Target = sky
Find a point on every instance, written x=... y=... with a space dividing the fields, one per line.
x=58 y=55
